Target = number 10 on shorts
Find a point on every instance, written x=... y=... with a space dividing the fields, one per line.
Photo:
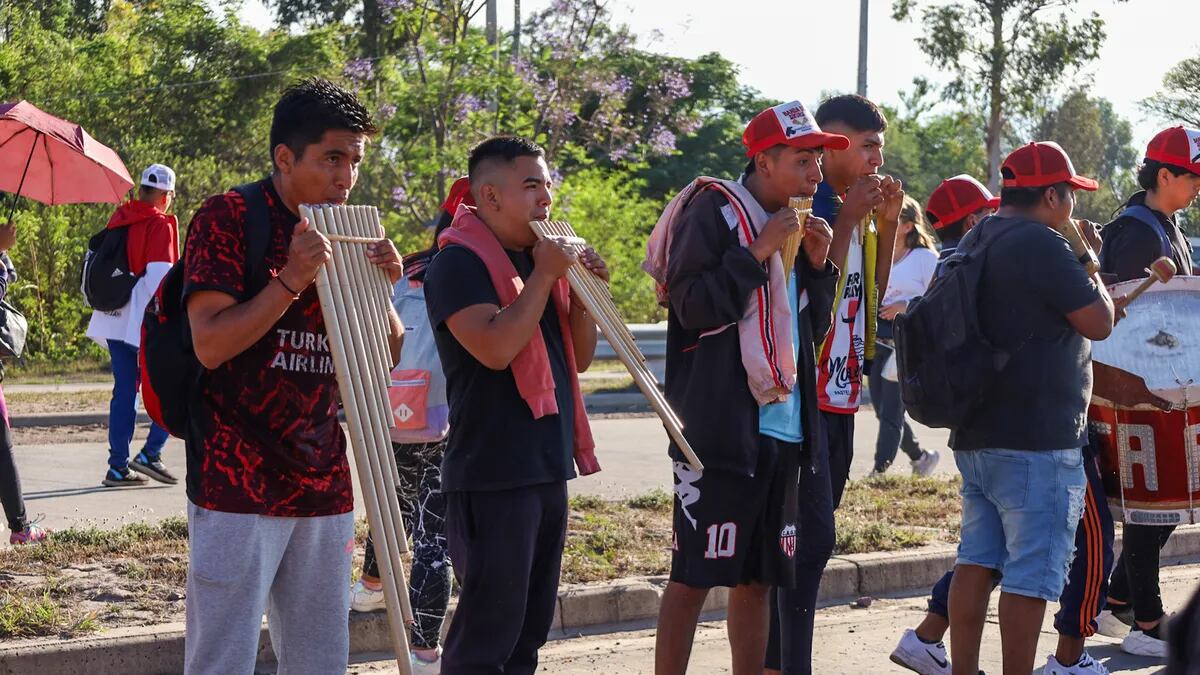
x=722 y=541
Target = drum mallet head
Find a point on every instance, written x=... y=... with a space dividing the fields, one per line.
x=1160 y=271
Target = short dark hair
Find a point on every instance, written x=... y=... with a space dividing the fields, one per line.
x=1147 y=175
x=1027 y=197
x=854 y=111
x=502 y=148
x=311 y=107
x=952 y=231
x=750 y=169
x=149 y=194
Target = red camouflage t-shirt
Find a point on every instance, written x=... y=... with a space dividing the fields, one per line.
x=265 y=437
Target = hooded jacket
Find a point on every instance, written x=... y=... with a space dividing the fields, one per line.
x=152 y=246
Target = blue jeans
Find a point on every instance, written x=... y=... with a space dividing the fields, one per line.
x=1087 y=585
x=894 y=431
x=1019 y=515
x=122 y=410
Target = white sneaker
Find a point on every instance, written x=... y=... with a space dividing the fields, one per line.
x=1086 y=666
x=1140 y=644
x=423 y=667
x=363 y=599
x=1114 y=625
x=921 y=657
x=924 y=466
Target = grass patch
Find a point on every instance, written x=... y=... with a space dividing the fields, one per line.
x=607 y=385
x=609 y=540
x=58 y=372
x=58 y=401
x=78 y=546
x=607 y=366
x=893 y=512
x=36 y=611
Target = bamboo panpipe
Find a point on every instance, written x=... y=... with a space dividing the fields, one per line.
x=1079 y=246
x=791 y=248
x=599 y=303
x=355 y=300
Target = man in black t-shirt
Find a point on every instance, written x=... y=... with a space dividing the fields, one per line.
x=511 y=341
x=1020 y=452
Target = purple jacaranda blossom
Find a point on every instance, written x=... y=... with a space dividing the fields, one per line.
x=359 y=70
x=662 y=141
x=385 y=112
x=676 y=85
x=399 y=196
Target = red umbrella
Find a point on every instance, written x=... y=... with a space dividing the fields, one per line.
x=55 y=161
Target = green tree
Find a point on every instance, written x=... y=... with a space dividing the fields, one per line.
x=1099 y=142
x=1005 y=55
x=1179 y=100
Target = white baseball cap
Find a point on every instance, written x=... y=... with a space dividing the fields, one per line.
x=159 y=176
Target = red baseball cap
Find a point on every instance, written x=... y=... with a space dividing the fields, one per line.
x=956 y=198
x=460 y=193
x=788 y=124
x=1177 y=146
x=1041 y=164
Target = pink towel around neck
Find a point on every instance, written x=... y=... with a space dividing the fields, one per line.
x=531 y=367
x=765 y=330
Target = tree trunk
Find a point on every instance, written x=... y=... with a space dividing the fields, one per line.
x=516 y=44
x=995 y=125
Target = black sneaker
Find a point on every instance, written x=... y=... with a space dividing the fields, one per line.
x=126 y=478
x=153 y=468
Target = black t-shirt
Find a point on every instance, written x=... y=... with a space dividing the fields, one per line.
x=1039 y=402
x=495 y=443
x=1130 y=245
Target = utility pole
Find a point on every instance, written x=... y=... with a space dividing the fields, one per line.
x=491 y=22
x=862 y=47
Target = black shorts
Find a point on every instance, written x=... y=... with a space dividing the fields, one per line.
x=731 y=529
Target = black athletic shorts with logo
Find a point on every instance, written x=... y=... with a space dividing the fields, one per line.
x=731 y=529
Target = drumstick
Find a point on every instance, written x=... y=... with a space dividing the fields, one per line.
x=1070 y=231
x=1161 y=271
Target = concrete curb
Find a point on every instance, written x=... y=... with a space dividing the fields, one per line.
x=597 y=404
x=586 y=608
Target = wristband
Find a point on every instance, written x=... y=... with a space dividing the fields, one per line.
x=295 y=295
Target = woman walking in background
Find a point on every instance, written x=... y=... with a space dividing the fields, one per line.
x=21 y=530
x=914 y=259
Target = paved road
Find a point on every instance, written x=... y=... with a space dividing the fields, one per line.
x=848 y=642
x=61 y=480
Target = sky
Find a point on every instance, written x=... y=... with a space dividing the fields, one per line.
x=796 y=50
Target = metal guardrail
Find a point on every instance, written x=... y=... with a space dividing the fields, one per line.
x=651 y=339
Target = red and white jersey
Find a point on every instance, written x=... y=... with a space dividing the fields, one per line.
x=839 y=374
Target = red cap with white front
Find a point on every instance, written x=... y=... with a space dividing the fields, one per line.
x=956 y=198
x=1041 y=164
x=788 y=124
x=1178 y=146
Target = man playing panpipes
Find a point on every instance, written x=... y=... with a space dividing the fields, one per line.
x=847 y=198
x=1024 y=483
x=512 y=339
x=271 y=523
x=741 y=374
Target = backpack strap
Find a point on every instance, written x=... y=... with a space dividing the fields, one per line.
x=257 y=233
x=1143 y=214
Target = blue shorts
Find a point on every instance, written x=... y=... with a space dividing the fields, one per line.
x=1020 y=509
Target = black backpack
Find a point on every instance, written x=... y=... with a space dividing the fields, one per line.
x=106 y=280
x=170 y=371
x=945 y=363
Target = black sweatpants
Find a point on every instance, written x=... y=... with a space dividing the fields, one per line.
x=793 y=610
x=1135 y=579
x=839 y=434
x=507 y=550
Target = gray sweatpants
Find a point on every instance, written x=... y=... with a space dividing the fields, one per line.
x=294 y=569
